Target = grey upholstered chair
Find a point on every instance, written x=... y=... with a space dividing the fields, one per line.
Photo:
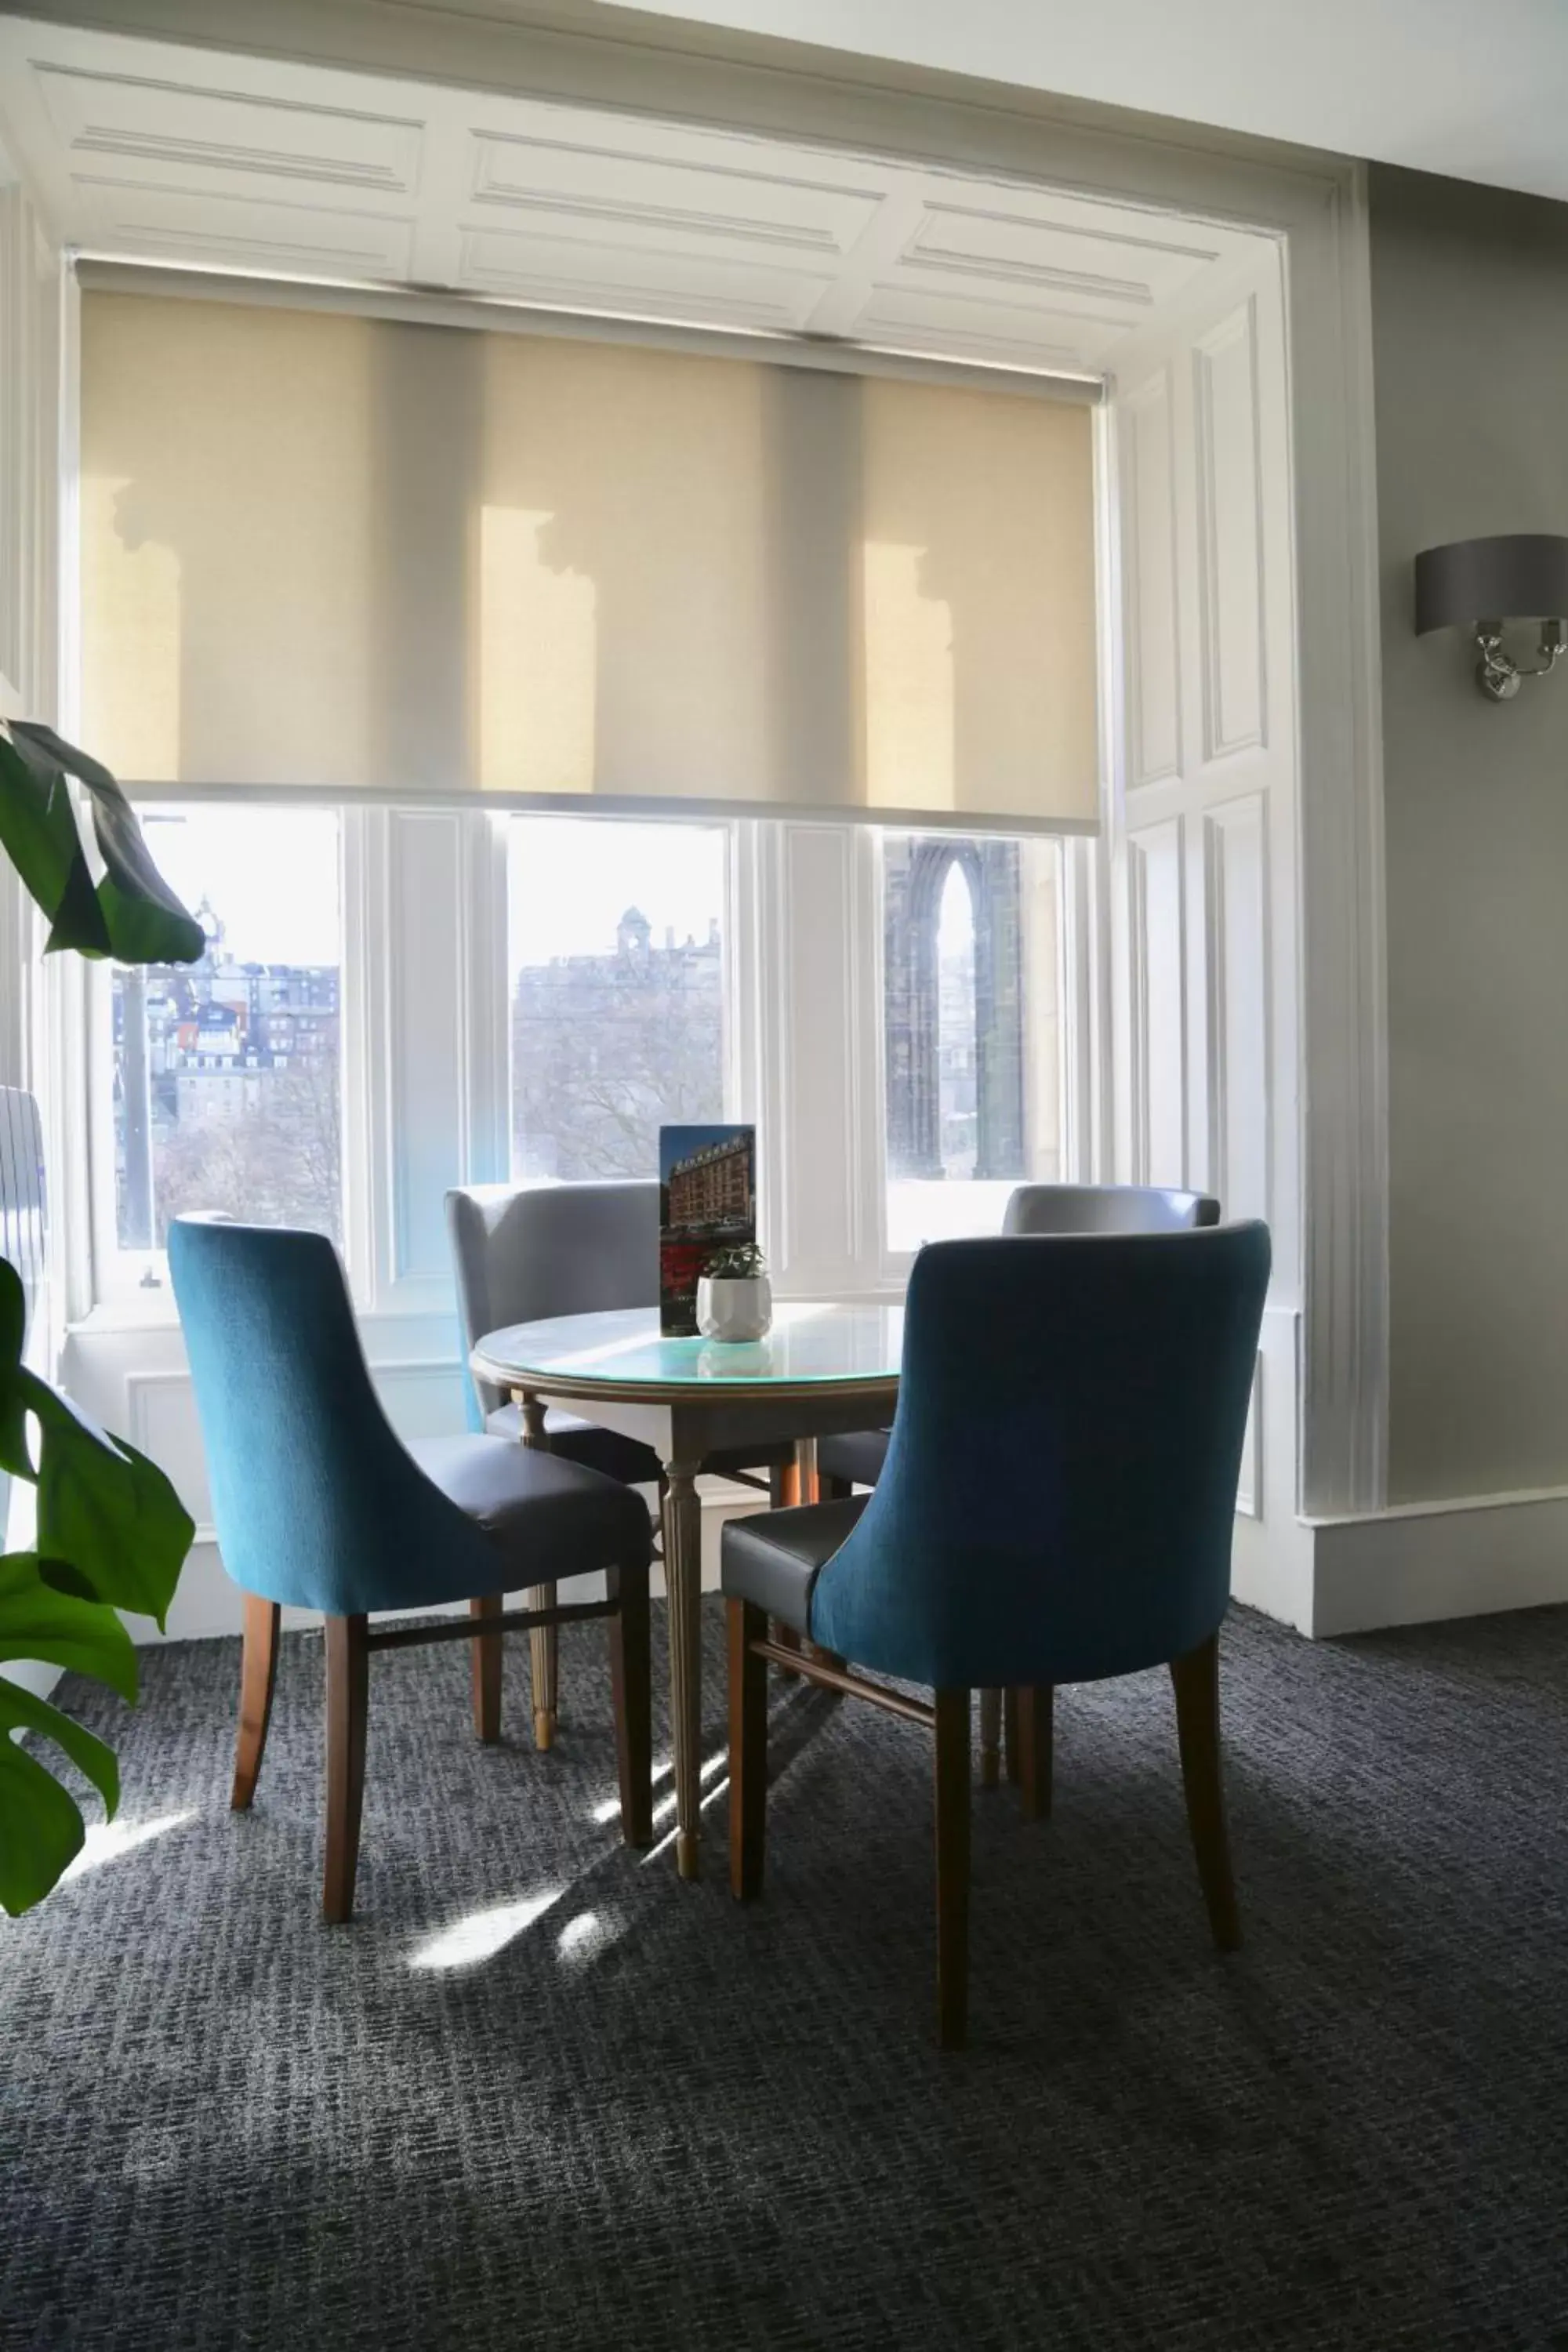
x=523 y=1252
x=846 y=1463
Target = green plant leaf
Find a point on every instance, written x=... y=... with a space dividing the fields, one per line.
x=132 y=914
x=12 y=1412
x=26 y=1710
x=104 y=1510
x=37 y=1620
x=41 y=1827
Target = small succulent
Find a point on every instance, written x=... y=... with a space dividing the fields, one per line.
x=740 y=1262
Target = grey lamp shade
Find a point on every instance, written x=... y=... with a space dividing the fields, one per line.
x=1521 y=577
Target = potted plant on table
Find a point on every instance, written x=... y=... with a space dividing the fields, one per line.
x=734 y=1296
x=111 y=1532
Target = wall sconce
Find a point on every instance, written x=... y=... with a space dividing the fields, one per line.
x=1483 y=583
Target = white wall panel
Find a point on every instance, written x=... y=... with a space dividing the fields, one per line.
x=1235 y=843
x=1203 y=875
x=1158 y=948
x=1149 y=564
x=1234 y=602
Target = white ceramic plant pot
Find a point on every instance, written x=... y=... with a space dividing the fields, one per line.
x=734 y=1306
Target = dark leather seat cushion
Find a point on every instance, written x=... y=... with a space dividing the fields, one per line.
x=773 y=1557
x=626 y=1458
x=547 y=1517
x=858 y=1457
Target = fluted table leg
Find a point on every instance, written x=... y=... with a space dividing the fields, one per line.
x=683 y=1586
x=543 y=1652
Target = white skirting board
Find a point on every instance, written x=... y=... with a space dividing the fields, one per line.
x=1415 y=1564
x=1409 y=1566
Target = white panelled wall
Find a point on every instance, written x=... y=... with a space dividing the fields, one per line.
x=1202 y=833
x=32 y=291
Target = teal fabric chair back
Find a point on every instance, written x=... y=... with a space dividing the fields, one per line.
x=315 y=1500
x=1059 y=1492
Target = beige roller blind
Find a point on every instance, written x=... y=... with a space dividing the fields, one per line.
x=363 y=555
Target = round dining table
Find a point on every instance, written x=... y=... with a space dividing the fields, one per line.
x=825 y=1368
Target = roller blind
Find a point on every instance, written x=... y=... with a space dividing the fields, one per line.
x=362 y=555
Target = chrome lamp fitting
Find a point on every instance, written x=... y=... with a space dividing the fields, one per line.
x=1522 y=576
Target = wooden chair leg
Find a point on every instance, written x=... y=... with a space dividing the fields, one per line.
x=348 y=1707
x=1196 y=1679
x=989 y=1738
x=1035 y=1710
x=748 y=1750
x=953 y=1736
x=1012 y=1763
x=631 y=1678
x=487 y=1669
x=545 y=1660
x=258 y=1673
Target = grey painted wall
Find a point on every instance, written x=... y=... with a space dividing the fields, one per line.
x=1471 y=352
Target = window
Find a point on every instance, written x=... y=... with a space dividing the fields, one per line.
x=228 y=1073
x=971 y=1010
x=617 y=968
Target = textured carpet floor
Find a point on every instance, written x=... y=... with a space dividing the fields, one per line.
x=542 y=2095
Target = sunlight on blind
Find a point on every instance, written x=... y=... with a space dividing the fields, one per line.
x=339 y=551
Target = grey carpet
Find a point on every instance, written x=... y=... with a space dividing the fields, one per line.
x=653 y=2120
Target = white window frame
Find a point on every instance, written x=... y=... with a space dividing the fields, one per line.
x=427 y=1052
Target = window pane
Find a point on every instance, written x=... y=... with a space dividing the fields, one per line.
x=618 y=1016
x=971 y=1008
x=226 y=1092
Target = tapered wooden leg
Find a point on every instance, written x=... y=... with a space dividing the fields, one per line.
x=348 y=1707
x=543 y=1647
x=952 y=1867
x=630 y=1677
x=1035 y=1709
x=258 y=1673
x=683 y=1584
x=989 y=1738
x=783 y=1494
x=1010 y=1765
x=748 y=1750
x=1196 y=1679
x=487 y=1668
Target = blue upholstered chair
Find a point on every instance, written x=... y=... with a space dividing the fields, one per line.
x=318 y=1505
x=1057 y=1507
x=525 y=1252
x=856 y=1459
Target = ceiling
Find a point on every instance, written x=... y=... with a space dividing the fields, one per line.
x=1478 y=93
x=148 y=150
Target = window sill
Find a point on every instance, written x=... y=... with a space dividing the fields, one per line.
x=152 y=1310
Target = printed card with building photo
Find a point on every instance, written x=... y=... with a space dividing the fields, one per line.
x=707 y=1201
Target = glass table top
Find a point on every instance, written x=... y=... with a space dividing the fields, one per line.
x=811 y=1343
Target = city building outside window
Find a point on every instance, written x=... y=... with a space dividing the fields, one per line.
x=226 y=1074
x=971 y=1008
x=618 y=1013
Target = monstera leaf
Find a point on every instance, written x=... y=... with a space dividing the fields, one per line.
x=111 y=1531
x=112 y=1534
x=130 y=913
